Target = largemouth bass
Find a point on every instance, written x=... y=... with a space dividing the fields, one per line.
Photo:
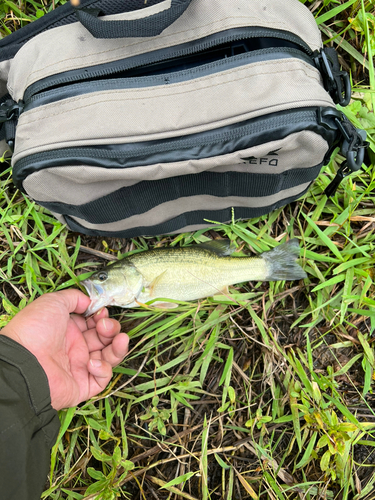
x=187 y=273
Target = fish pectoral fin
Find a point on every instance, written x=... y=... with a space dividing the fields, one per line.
x=158 y=305
x=154 y=282
x=223 y=291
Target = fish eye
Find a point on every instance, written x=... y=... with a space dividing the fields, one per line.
x=102 y=276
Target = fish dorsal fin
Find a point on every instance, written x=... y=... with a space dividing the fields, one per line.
x=220 y=247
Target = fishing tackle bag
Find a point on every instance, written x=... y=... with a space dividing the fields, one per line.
x=134 y=117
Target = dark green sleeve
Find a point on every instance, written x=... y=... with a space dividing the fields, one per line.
x=28 y=423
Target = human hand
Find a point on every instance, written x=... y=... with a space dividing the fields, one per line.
x=77 y=354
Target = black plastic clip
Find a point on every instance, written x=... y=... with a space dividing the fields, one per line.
x=10 y=110
x=9 y=114
x=354 y=143
x=336 y=82
x=353 y=147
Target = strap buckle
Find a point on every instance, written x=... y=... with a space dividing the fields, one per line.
x=354 y=143
x=336 y=82
x=9 y=114
x=10 y=110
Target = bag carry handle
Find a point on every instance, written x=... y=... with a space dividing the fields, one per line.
x=147 y=26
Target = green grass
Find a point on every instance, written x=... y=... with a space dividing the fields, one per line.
x=268 y=393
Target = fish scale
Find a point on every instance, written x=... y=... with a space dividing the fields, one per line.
x=192 y=273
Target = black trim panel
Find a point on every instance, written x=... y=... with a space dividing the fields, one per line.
x=144 y=196
x=187 y=219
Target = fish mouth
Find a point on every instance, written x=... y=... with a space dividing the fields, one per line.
x=98 y=297
x=93 y=289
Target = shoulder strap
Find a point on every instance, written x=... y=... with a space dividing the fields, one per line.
x=66 y=14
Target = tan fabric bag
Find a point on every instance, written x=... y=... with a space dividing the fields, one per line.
x=158 y=119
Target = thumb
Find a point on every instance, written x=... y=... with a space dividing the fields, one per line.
x=74 y=300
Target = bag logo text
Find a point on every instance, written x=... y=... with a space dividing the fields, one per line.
x=264 y=160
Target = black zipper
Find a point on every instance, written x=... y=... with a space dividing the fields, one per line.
x=149 y=62
x=327 y=122
x=87 y=87
x=230 y=138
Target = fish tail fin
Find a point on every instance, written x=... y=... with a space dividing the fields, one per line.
x=282 y=263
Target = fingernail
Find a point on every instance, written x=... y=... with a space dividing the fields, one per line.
x=106 y=325
x=100 y=310
x=95 y=363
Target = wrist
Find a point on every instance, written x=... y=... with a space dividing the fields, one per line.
x=8 y=332
x=11 y=334
x=16 y=354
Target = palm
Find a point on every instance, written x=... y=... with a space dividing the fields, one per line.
x=67 y=345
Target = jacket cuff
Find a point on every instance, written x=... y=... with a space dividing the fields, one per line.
x=36 y=382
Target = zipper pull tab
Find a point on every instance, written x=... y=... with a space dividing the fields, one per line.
x=342 y=172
